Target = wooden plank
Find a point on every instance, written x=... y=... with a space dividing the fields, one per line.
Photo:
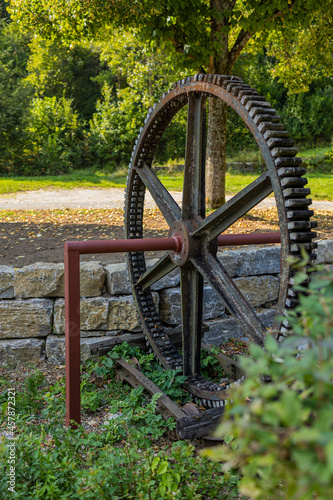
x=197 y=426
x=165 y=405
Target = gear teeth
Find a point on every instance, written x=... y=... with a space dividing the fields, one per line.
x=273 y=134
x=288 y=170
x=301 y=236
x=297 y=202
x=287 y=182
x=262 y=110
x=299 y=214
x=289 y=162
x=230 y=79
x=257 y=104
x=259 y=118
x=296 y=192
x=283 y=151
x=264 y=126
x=277 y=143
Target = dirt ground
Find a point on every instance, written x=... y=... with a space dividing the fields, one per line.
x=29 y=236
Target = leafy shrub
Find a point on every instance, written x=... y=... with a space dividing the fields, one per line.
x=282 y=438
x=114 y=126
x=77 y=465
x=126 y=457
x=54 y=137
x=15 y=95
x=308 y=115
x=239 y=136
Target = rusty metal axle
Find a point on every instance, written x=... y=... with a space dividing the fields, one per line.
x=159 y=244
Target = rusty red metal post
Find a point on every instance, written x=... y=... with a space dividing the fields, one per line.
x=72 y=335
x=73 y=249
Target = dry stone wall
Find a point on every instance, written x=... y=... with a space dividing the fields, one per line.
x=32 y=304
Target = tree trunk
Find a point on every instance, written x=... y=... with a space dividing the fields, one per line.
x=217 y=118
x=216 y=153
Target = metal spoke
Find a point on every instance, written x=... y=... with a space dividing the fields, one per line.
x=191 y=284
x=157 y=271
x=236 y=207
x=163 y=199
x=213 y=271
x=194 y=172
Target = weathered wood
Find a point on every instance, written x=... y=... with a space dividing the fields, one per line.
x=134 y=377
x=229 y=365
x=196 y=426
x=102 y=347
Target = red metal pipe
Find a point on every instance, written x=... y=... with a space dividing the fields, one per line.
x=131 y=245
x=228 y=240
x=72 y=336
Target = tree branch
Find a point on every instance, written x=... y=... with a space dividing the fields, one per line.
x=240 y=43
x=245 y=36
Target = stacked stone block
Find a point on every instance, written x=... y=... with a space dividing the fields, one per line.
x=32 y=304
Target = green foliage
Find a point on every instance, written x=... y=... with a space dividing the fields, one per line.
x=127 y=456
x=195 y=30
x=137 y=53
x=15 y=95
x=57 y=70
x=136 y=78
x=282 y=438
x=55 y=138
x=308 y=115
x=210 y=366
x=169 y=381
x=239 y=136
x=114 y=127
x=303 y=54
x=75 y=465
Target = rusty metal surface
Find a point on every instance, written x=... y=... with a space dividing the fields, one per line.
x=283 y=177
x=194 y=239
x=228 y=240
x=72 y=336
x=120 y=246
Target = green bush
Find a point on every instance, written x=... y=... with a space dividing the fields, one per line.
x=15 y=95
x=308 y=115
x=54 y=138
x=281 y=439
x=123 y=454
x=115 y=125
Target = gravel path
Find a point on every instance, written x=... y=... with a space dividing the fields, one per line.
x=95 y=198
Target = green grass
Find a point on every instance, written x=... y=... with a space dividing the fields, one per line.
x=321 y=186
x=79 y=178
x=314 y=153
x=321 y=183
x=130 y=456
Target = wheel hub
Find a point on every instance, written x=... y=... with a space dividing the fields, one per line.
x=180 y=230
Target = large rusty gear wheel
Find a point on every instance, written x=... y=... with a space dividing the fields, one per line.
x=198 y=261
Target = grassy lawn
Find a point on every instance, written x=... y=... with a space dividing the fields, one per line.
x=321 y=184
x=79 y=178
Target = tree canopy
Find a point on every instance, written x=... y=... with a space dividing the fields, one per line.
x=197 y=29
x=121 y=56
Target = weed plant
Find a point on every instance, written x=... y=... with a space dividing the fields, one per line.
x=128 y=456
x=280 y=434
